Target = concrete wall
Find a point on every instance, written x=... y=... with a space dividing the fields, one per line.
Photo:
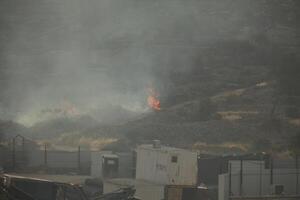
x=58 y=159
x=125 y=165
x=256 y=180
x=155 y=165
x=5 y=158
x=36 y=158
x=65 y=160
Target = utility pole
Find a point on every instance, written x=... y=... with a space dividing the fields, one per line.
x=45 y=155
x=241 y=177
x=14 y=153
x=271 y=170
x=79 y=168
x=297 y=174
x=260 y=175
x=230 y=192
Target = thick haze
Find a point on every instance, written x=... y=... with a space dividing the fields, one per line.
x=95 y=53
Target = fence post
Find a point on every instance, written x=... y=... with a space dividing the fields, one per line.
x=23 y=144
x=297 y=174
x=230 y=192
x=241 y=177
x=23 y=153
x=79 y=168
x=45 y=156
x=271 y=170
x=260 y=176
x=14 y=154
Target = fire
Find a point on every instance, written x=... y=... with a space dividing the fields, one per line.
x=153 y=100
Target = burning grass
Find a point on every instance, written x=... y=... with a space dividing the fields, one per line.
x=153 y=100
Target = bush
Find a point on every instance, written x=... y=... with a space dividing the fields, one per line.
x=261 y=144
x=294 y=145
x=292 y=112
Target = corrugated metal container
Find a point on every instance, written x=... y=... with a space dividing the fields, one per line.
x=166 y=165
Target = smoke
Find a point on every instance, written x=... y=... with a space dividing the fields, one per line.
x=98 y=53
x=71 y=51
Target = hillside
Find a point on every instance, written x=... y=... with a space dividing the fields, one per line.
x=226 y=72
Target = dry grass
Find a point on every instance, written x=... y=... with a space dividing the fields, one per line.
x=295 y=122
x=236 y=93
x=261 y=84
x=96 y=144
x=223 y=96
x=235 y=115
x=221 y=148
x=90 y=143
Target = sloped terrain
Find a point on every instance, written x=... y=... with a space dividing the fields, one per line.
x=227 y=72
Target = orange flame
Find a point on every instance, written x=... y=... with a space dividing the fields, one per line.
x=153 y=101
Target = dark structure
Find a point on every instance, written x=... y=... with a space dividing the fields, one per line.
x=210 y=166
x=23 y=188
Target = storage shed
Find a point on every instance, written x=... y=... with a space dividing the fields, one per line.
x=104 y=165
x=166 y=165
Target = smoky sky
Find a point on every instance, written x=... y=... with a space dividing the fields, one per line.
x=98 y=52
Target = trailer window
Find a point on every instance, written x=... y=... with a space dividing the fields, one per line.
x=110 y=162
x=174 y=159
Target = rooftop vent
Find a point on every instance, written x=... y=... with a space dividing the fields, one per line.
x=156 y=144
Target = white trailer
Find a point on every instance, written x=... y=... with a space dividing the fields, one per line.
x=166 y=165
